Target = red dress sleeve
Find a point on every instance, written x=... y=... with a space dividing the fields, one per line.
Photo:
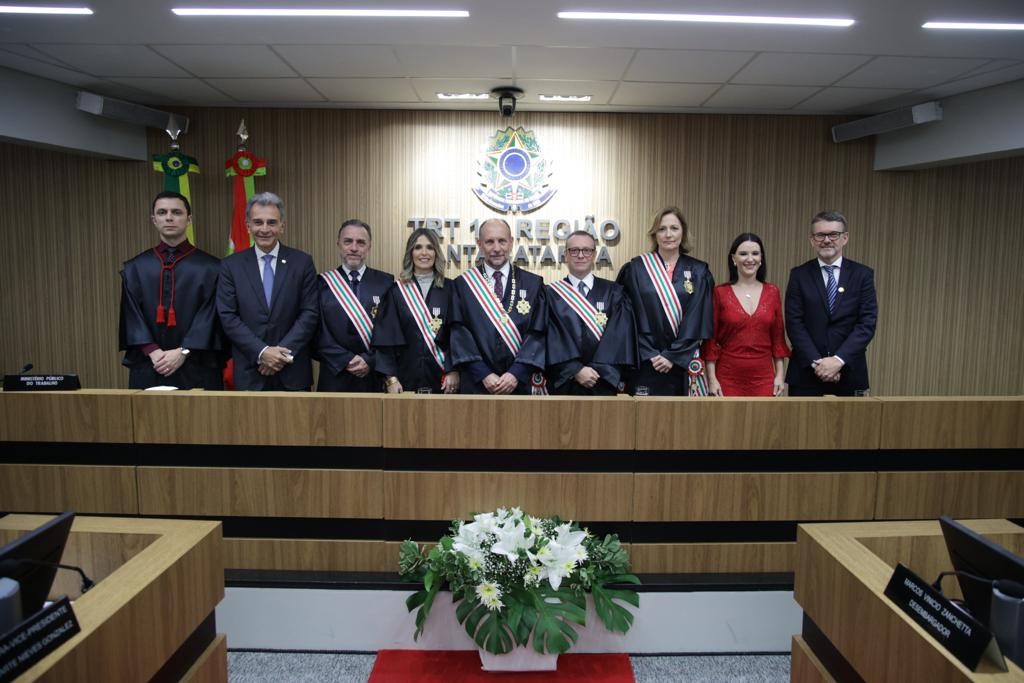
x=779 y=347
x=710 y=349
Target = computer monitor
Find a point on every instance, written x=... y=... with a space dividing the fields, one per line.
x=44 y=544
x=974 y=554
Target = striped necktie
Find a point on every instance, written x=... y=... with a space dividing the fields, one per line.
x=268 y=276
x=831 y=288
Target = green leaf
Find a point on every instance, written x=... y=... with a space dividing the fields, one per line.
x=557 y=611
x=614 y=616
x=487 y=628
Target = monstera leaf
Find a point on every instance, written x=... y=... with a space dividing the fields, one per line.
x=614 y=616
x=488 y=628
x=556 y=611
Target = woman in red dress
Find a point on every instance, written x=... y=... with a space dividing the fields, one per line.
x=745 y=356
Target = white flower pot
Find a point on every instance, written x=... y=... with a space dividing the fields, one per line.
x=519 y=659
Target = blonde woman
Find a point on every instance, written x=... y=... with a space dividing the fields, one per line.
x=411 y=335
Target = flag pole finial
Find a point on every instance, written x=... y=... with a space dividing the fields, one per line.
x=243 y=136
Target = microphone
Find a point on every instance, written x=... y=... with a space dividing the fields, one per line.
x=7 y=565
x=28 y=366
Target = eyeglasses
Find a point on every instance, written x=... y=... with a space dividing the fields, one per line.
x=822 y=236
x=580 y=251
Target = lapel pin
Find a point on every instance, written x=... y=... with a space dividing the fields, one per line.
x=842 y=289
x=284 y=260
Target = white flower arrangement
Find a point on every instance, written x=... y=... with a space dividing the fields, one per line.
x=515 y=577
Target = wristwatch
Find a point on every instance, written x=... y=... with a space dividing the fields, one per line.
x=185 y=352
x=391 y=381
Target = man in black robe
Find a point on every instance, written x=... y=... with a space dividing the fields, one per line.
x=488 y=302
x=169 y=329
x=591 y=338
x=346 y=361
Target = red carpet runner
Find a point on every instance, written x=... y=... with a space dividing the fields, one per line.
x=463 y=666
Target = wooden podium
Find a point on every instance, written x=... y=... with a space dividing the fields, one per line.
x=851 y=631
x=150 y=616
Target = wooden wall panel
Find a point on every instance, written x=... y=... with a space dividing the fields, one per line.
x=212 y=665
x=256 y=492
x=56 y=488
x=755 y=424
x=87 y=416
x=258 y=418
x=926 y=495
x=672 y=558
x=961 y=422
x=805 y=667
x=509 y=422
x=310 y=554
x=753 y=496
x=729 y=173
x=458 y=495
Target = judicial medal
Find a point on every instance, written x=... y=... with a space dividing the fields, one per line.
x=522 y=306
x=602 y=319
x=435 y=322
x=688 y=285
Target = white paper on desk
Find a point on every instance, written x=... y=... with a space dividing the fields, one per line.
x=161 y=388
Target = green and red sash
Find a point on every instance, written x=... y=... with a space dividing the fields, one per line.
x=350 y=304
x=492 y=309
x=580 y=306
x=413 y=298
x=656 y=270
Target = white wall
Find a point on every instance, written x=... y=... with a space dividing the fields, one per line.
x=367 y=621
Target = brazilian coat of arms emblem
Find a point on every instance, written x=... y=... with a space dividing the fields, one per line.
x=514 y=175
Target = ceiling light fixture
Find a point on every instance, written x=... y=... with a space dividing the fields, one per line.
x=973 y=25
x=323 y=12
x=463 y=96
x=563 y=98
x=21 y=9
x=708 y=18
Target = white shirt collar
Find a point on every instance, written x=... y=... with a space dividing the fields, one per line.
x=505 y=269
x=838 y=263
x=361 y=270
x=273 y=252
x=588 y=281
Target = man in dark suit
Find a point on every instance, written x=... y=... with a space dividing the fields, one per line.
x=348 y=299
x=591 y=336
x=831 y=310
x=499 y=315
x=266 y=298
x=169 y=329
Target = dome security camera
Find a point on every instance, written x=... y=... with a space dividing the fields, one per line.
x=507 y=96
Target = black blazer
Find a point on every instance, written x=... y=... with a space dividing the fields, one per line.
x=290 y=321
x=815 y=333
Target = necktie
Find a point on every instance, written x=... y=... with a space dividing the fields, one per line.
x=499 y=290
x=831 y=287
x=583 y=289
x=268 y=276
x=353 y=277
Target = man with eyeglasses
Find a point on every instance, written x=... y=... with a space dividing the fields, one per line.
x=591 y=337
x=831 y=311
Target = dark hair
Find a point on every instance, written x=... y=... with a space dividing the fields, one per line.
x=168 y=194
x=829 y=217
x=734 y=274
x=581 y=233
x=265 y=199
x=684 y=244
x=409 y=271
x=356 y=221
